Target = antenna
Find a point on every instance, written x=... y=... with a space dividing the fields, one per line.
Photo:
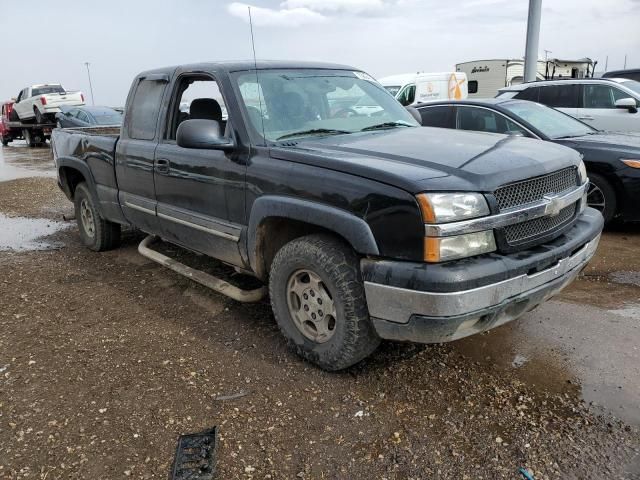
x=255 y=66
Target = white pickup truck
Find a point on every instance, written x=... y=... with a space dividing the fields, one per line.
x=42 y=102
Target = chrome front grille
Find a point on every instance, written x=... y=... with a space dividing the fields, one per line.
x=525 y=231
x=534 y=189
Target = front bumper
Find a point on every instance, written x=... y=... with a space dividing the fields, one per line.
x=439 y=303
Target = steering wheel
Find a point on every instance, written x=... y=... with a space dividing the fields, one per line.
x=345 y=113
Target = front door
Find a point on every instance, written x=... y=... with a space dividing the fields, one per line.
x=599 y=109
x=200 y=193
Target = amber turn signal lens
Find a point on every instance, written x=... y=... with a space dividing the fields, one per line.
x=431 y=249
x=632 y=163
x=428 y=215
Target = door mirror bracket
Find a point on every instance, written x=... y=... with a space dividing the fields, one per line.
x=203 y=134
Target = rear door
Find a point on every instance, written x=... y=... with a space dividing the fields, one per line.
x=135 y=152
x=599 y=109
x=200 y=192
x=565 y=97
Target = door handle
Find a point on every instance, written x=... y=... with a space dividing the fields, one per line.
x=585 y=118
x=162 y=165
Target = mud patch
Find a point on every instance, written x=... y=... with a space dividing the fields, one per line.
x=21 y=234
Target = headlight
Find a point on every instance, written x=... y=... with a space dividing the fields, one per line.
x=442 y=249
x=633 y=163
x=582 y=172
x=451 y=207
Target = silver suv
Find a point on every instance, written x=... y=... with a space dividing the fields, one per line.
x=604 y=103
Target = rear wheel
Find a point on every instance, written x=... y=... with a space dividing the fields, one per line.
x=318 y=300
x=40 y=118
x=602 y=197
x=96 y=233
x=28 y=137
x=5 y=140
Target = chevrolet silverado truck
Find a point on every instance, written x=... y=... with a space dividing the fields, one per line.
x=363 y=226
x=40 y=103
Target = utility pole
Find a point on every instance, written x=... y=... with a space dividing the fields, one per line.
x=546 y=55
x=625 y=61
x=86 y=64
x=533 y=40
x=606 y=64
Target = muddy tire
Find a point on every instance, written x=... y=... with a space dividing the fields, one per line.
x=96 y=233
x=319 y=276
x=4 y=140
x=602 y=197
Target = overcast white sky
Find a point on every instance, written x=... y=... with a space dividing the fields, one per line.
x=48 y=41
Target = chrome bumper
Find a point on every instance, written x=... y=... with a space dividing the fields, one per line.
x=398 y=305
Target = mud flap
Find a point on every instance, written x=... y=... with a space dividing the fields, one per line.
x=196 y=456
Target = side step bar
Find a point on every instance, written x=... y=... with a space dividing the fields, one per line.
x=199 y=276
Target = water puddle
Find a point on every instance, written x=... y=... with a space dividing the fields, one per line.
x=629 y=310
x=20 y=234
x=20 y=161
x=626 y=278
x=582 y=350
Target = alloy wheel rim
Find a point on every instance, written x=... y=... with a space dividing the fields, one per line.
x=311 y=306
x=86 y=216
x=595 y=197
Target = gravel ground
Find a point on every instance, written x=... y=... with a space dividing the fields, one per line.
x=105 y=359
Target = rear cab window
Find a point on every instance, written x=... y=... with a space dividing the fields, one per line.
x=144 y=110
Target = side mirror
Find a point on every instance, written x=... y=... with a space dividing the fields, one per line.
x=202 y=134
x=415 y=114
x=628 y=104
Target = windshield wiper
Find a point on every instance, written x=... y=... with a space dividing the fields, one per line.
x=384 y=125
x=314 y=131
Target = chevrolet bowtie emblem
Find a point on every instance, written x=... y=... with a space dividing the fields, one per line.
x=553 y=206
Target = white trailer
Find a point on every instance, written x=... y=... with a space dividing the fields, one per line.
x=486 y=77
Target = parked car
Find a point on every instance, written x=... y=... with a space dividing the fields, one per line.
x=631 y=74
x=41 y=102
x=604 y=103
x=11 y=128
x=363 y=226
x=412 y=88
x=612 y=159
x=87 y=117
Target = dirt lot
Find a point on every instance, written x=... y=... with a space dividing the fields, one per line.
x=105 y=359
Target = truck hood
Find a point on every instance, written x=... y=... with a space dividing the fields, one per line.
x=420 y=159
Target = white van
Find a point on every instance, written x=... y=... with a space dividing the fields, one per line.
x=413 y=88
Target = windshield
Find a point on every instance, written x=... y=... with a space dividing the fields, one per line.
x=550 y=122
x=632 y=85
x=308 y=102
x=45 y=90
x=108 y=119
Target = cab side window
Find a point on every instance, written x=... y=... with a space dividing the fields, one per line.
x=560 y=96
x=530 y=94
x=483 y=120
x=143 y=113
x=408 y=95
x=197 y=97
x=600 y=96
x=437 y=116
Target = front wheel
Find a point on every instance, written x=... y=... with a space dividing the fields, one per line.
x=96 y=233
x=602 y=197
x=318 y=300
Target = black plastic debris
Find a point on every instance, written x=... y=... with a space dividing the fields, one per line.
x=196 y=456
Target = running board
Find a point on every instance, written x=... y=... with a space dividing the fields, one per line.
x=199 y=276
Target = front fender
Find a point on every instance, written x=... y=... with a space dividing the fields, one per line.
x=353 y=229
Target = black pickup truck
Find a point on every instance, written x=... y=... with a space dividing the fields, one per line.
x=363 y=225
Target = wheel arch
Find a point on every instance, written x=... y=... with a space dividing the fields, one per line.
x=276 y=220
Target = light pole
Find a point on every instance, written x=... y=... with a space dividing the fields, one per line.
x=86 y=64
x=533 y=39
